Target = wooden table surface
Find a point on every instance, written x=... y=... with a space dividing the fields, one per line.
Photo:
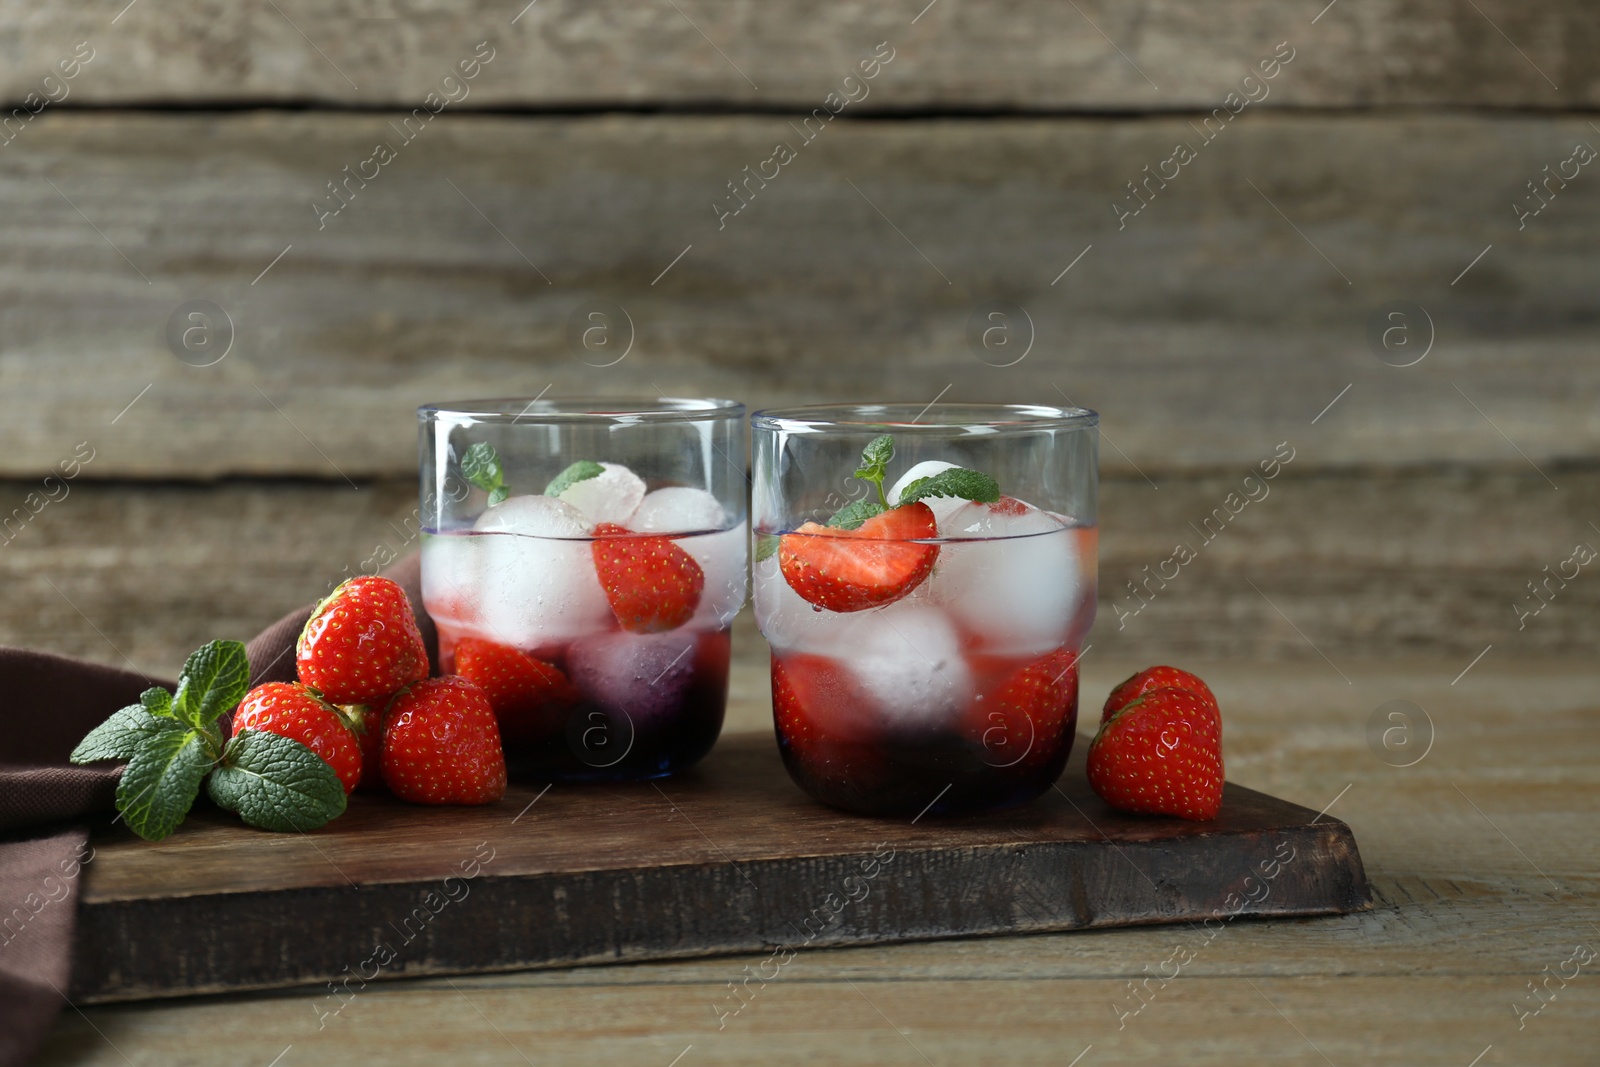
x=1483 y=856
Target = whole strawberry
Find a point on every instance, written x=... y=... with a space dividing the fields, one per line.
x=362 y=643
x=530 y=698
x=293 y=710
x=652 y=584
x=441 y=745
x=1155 y=678
x=367 y=722
x=1161 y=754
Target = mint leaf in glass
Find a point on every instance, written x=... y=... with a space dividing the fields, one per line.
x=853 y=514
x=276 y=783
x=480 y=465
x=956 y=482
x=580 y=471
x=875 y=463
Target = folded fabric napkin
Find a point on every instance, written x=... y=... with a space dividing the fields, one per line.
x=48 y=806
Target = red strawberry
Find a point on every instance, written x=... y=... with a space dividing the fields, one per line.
x=441 y=745
x=1022 y=722
x=1161 y=754
x=361 y=643
x=292 y=710
x=652 y=584
x=1155 y=678
x=813 y=712
x=367 y=722
x=530 y=697
x=874 y=564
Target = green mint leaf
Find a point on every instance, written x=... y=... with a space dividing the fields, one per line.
x=875 y=462
x=580 y=471
x=122 y=735
x=875 y=458
x=766 y=546
x=276 y=783
x=497 y=495
x=855 y=513
x=957 y=482
x=481 y=466
x=162 y=779
x=156 y=701
x=215 y=678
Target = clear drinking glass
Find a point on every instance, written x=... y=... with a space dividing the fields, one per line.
x=926 y=660
x=583 y=561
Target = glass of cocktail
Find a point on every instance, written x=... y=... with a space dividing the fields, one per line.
x=583 y=561
x=925 y=577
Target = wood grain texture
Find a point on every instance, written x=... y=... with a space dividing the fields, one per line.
x=1206 y=330
x=1362 y=568
x=1105 y=55
x=726 y=857
x=1464 y=920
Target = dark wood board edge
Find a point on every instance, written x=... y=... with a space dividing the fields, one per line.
x=185 y=946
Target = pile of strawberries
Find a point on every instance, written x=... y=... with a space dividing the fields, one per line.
x=1159 y=749
x=365 y=704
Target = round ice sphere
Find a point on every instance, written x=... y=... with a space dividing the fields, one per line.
x=677 y=509
x=792 y=624
x=534 y=516
x=533 y=582
x=610 y=496
x=907 y=657
x=644 y=676
x=723 y=559
x=1017 y=584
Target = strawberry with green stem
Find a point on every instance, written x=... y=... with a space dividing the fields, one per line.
x=172 y=743
x=1160 y=754
x=362 y=643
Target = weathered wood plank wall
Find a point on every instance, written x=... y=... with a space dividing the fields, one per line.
x=951 y=55
x=1206 y=327
x=1416 y=151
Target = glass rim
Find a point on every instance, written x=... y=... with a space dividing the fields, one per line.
x=578 y=409
x=967 y=418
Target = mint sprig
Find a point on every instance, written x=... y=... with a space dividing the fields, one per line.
x=953 y=481
x=766 y=546
x=276 y=783
x=875 y=464
x=580 y=471
x=171 y=743
x=480 y=465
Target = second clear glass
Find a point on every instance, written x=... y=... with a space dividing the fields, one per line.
x=925 y=661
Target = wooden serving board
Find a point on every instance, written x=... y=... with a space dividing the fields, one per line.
x=730 y=857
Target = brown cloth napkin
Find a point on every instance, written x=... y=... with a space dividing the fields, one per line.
x=47 y=806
